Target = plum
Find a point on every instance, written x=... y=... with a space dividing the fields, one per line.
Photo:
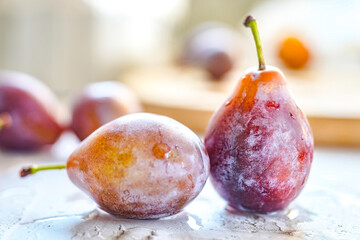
x=294 y=53
x=259 y=142
x=141 y=165
x=30 y=112
x=100 y=103
x=210 y=46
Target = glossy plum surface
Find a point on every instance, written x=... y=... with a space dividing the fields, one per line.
x=33 y=111
x=260 y=145
x=100 y=103
x=140 y=166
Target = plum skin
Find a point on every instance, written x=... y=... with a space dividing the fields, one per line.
x=141 y=166
x=100 y=103
x=33 y=109
x=260 y=145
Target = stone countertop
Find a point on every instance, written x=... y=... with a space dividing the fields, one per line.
x=48 y=206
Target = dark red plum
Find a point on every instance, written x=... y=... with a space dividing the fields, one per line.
x=30 y=110
x=211 y=46
x=260 y=143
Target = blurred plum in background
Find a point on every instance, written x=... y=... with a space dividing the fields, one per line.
x=100 y=103
x=213 y=46
x=293 y=53
x=32 y=112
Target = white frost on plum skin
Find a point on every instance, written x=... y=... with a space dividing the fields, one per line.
x=162 y=176
x=269 y=151
x=161 y=168
x=258 y=154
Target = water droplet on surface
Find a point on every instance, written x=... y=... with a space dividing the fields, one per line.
x=91 y=215
x=294 y=213
x=194 y=222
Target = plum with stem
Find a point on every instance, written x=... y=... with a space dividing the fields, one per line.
x=140 y=166
x=259 y=142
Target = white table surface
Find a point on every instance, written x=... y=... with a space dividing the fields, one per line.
x=48 y=206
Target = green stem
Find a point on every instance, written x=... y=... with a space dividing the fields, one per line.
x=5 y=120
x=34 y=169
x=251 y=23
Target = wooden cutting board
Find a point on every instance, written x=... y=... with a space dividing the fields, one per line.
x=330 y=100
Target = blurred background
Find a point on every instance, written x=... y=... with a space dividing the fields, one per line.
x=183 y=57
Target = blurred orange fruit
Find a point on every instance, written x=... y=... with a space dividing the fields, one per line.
x=294 y=53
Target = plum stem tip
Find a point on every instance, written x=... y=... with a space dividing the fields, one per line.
x=251 y=23
x=25 y=172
